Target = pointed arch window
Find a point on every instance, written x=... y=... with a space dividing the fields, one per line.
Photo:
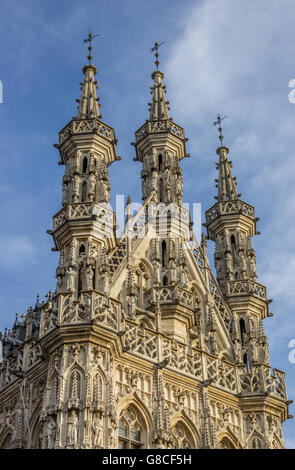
x=81 y=249
x=164 y=254
x=130 y=431
x=182 y=438
x=233 y=249
x=85 y=163
x=160 y=162
x=242 y=331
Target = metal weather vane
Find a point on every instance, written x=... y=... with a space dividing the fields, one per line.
x=218 y=122
x=89 y=40
x=156 y=48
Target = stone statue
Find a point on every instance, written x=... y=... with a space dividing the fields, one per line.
x=91 y=187
x=144 y=188
x=73 y=425
x=89 y=277
x=172 y=271
x=178 y=191
x=51 y=429
x=70 y=278
x=75 y=189
x=97 y=429
x=65 y=194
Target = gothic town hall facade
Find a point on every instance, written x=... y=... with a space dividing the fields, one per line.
x=140 y=345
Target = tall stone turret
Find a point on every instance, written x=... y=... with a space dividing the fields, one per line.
x=139 y=346
x=160 y=146
x=231 y=224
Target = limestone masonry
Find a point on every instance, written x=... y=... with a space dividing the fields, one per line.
x=140 y=346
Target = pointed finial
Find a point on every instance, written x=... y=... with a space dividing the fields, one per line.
x=89 y=40
x=156 y=48
x=37 y=301
x=218 y=121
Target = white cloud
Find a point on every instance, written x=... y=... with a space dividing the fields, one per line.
x=234 y=57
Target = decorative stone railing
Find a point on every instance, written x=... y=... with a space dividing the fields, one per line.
x=94 y=308
x=229 y=207
x=264 y=380
x=244 y=287
x=173 y=294
x=90 y=307
x=84 y=210
x=154 y=127
x=221 y=374
x=86 y=126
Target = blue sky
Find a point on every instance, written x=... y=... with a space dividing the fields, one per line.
x=229 y=56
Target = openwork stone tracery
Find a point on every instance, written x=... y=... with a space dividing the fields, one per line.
x=140 y=346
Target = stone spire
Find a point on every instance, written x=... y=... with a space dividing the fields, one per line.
x=158 y=107
x=88 y=103
x=226 y=183
x=160 y=146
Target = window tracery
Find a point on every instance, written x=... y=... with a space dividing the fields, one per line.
x=131 y=432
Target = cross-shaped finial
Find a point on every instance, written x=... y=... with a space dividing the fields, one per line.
x=90 y=39
x=218 y=121
x=156 y=48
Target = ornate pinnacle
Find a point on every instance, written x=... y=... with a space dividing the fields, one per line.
x=225 y=182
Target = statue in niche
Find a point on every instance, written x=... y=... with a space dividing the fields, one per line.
x=65 y=194
x=183 y=276
x=91 y=187
x=73 y=425
x=252 y=349
x=229 y=266
x=144 y=188
x=75 y=162
x=219 y=268
x=76 y=188
x=253 y=267
x=59 y=282
x=178 y=190
x=172 y=270
x=265 y=350
x=168 y=192
x=242 y=264
x=105 y=283
x=92 y=164
x=88 y=277
x=157 y=272
x=93 y=251
x=166 y=177
x=154 y=180
x=97 y=430
x=70 y=278
x=51 y=430
x=103 y=193
x=237 y=351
